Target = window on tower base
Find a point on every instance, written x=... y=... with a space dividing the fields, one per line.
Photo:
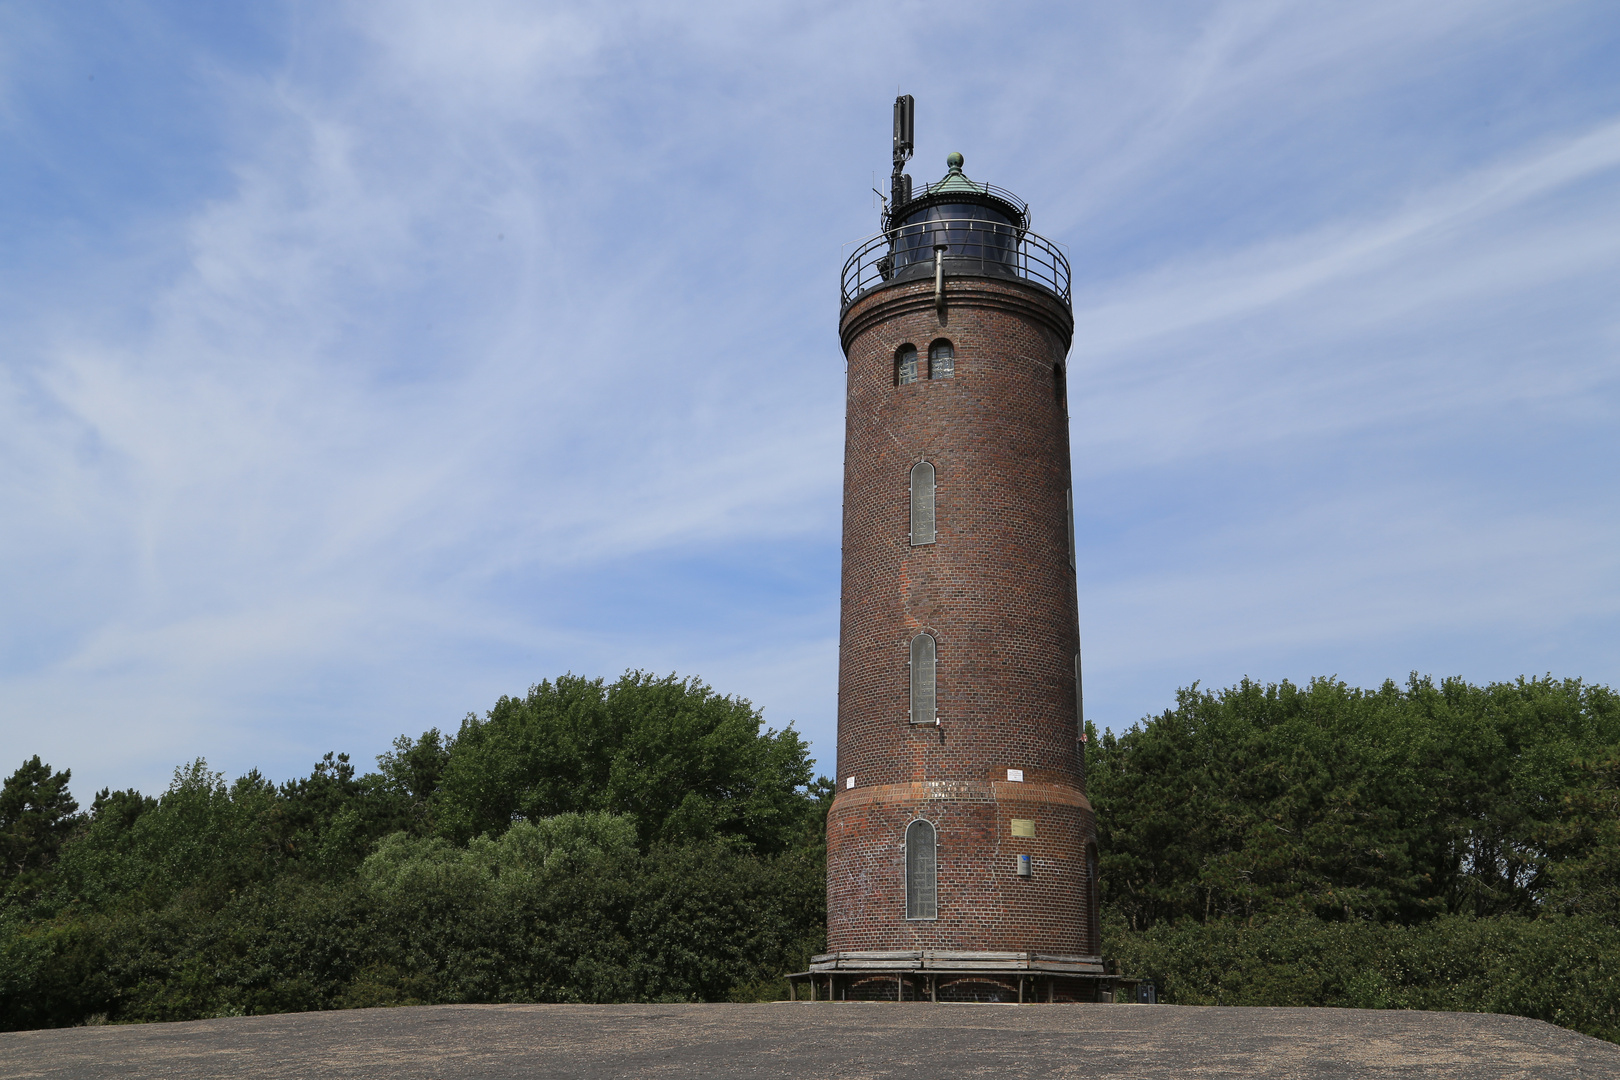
x=922 y=870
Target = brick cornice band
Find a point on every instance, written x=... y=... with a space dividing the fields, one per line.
x=985 y=791
x=1018 y=298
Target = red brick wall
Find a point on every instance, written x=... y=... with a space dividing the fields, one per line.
x=997 y=592
x=983 y=903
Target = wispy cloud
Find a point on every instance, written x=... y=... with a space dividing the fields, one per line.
x=484 y=343
x=1182 y=297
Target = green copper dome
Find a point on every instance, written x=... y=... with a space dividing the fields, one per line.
x=956 y=180
x=959 y=194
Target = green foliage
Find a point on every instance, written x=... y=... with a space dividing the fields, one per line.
x=1581 y=835
x=1565 y=970
x=36 y=816
x=1448 y=847
x=412 y=772
x=640 y=841
x=570 y=909
x=1426 y=847
x=684 y=763
x=200 y=835
x=51 y=972
x=1348 y=804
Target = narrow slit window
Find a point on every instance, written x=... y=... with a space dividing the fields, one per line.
x=922 y=504
x=1079 y=696
x=905 y=365
x=941 y=360
x=1093 y=905
x=1069 y=495
x=922 y=870
x=1057 y=382
x=923 y=664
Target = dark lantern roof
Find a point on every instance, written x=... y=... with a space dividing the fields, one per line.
x=955 y=187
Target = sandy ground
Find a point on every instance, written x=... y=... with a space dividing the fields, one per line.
x=847 y=1040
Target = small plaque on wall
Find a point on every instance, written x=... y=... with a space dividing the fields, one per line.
x=1023 y=826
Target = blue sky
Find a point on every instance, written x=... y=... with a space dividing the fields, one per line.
x=360 y=363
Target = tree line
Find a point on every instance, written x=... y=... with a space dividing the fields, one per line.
x=644 y=840
x=1422 y=846
x=1440 y=846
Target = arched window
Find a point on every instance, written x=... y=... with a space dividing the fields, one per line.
x=922 y=679
x=922 y=870
x=941 y=360
x=922 y=504
x=1093 y=901
x=905 y=365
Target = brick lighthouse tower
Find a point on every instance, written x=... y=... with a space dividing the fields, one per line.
x=961 y=853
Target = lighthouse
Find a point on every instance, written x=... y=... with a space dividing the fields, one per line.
x=961 y=847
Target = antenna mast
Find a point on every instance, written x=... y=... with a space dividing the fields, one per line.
x=905 y=109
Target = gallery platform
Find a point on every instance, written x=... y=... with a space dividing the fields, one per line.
x=948 y=975
x=857 y=1040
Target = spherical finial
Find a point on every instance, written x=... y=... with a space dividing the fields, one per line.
x=954 y=161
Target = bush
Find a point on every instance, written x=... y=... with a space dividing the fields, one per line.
x=645 y=840
x=1392 y=805
x=1565 y=970
x=675 y=758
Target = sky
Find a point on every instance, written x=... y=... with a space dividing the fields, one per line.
x=363 y=363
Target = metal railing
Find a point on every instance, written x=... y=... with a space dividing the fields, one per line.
x=967 y=246
x=947 y=187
